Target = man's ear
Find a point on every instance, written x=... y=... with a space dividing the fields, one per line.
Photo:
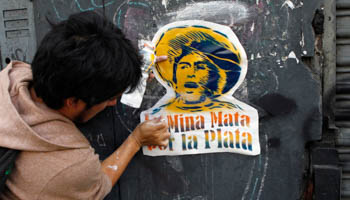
x=70 y=102
x=72 y=107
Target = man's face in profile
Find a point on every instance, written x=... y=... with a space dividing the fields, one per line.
x=87 y=113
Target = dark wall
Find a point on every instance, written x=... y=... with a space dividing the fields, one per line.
x=277 y=37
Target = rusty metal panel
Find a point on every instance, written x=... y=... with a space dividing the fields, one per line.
x=342 y=110
x=343 y=4
x=342 y=54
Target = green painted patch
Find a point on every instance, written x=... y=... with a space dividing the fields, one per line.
x=8 y=172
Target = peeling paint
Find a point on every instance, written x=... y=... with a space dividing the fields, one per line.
x=175 y=163
x=293 y=56
x=300 y=5
x=100 y=140
x=276 y=80
x=302 y=42
x=273 y=54
x=246 y=190
x=199 y=198
x=165 y=3
x=284 y=35
x=222 y=12
x=266 y=165
x=288 y=3
x=252 y=28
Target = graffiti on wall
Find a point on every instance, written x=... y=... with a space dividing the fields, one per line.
x=206 y=64
x=247 y=22
x=135 y=19
x=19 y=54
x=79 y=5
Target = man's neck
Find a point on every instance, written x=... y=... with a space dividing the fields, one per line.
x=36 y=99
x=34 y=96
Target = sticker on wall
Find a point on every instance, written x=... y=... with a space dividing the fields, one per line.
x=206 y=64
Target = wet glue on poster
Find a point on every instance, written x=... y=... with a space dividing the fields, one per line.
x=206 y=64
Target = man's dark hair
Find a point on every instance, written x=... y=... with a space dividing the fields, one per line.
x=86 y=57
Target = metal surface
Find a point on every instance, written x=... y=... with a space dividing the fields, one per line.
x=17 y=33
x=269 y=36
x=342 y=111
x=277 y=36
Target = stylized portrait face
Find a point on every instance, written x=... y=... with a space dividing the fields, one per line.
x=192 y=75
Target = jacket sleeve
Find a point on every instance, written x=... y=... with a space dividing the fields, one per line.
x=81 y=180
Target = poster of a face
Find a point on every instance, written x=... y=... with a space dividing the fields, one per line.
x=206 y=64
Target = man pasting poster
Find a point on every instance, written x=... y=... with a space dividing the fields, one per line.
x=206 y=64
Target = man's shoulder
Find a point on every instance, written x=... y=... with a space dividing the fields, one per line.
x=60 y=158
x=81 y=175
x=50 y=164
x=44 y=173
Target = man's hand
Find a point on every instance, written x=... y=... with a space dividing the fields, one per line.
x=152 y=132
x=160 y=58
